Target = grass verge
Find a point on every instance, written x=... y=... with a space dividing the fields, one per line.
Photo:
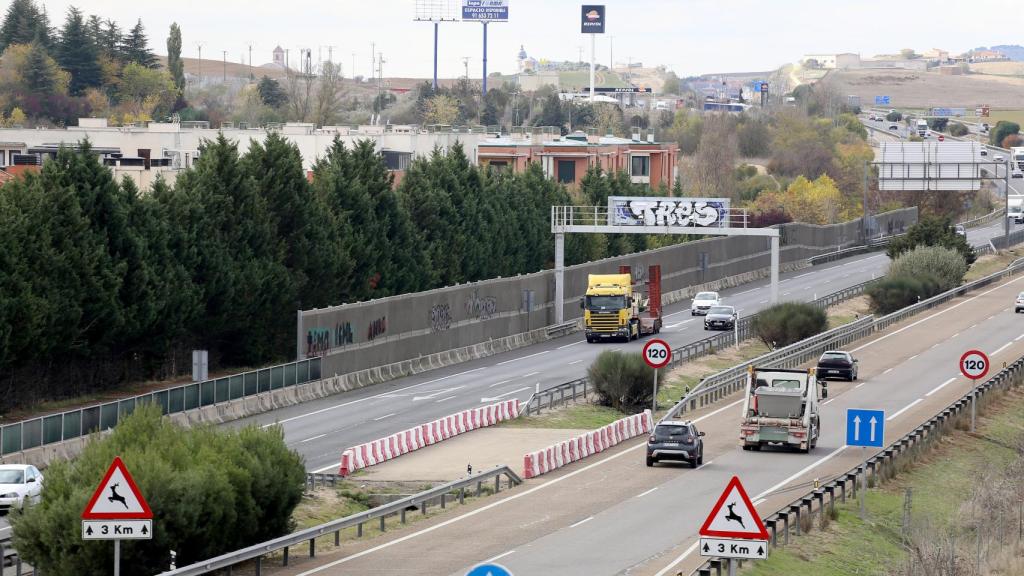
x=992 y=263
x=573 y=417
x=941 y=482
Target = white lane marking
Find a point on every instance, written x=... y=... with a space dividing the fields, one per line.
x=313 y=438
x=1018 y=338
x=575 y=362
x=954 y=307
x=760 y=496
x=954 y=335
x=1003 y=347
x=859 y=385
x=584 y=521
x=975 y=325
x=904 y=409
x=530 y=374
x=747 y=291
x=940 y=387
x=677 y=313
x=825 y=281
x=384 y=416
x=802 y=275
x=560 y=347
x=887 y=370
x=785 y=293
x=709 y=415
x=523 y=358
x=933 y=345
x=991 y=317
x=642 y=494
x=763 y=302
x=381 y=395
x=912 y=357
x=443 y=399
x=499 y=383
x=471 y=513
x=492 y=398
x=760 y=501
x=827 y=401
x=498 y=557
x=708 y=463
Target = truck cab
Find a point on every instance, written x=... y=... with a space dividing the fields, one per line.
x=613 y=310
x=781 y=409
x=1015 y=209
x=1017 y=162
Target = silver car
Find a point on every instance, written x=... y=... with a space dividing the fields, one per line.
x=720 y=318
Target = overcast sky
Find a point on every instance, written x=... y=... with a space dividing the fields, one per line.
x=688 y=36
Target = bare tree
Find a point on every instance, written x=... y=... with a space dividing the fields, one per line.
x=328 y=94
x=716 y=158
x=300 y=95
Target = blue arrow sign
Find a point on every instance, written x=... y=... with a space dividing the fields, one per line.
x=880 y=100
x=865 y=428
x=489 y=570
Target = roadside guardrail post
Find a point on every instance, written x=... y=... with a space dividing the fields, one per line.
x=382 y=527
x=442 y=501
x=771 y=524
x=497 y=484
x=259 y=565
x=423 y=508
x=462 y=497
x=283 y=563
x=337 y=538
x=402 y=516
x=796 y=508
x=359 y=529
x=785 y=526
x=312 y=547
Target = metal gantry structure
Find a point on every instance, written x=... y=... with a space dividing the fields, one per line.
x=597 y=220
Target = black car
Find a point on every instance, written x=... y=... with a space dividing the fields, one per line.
x=720 y=318
x=675 y=440
x=837 y=364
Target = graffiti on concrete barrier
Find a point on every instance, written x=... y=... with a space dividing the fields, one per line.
x=318 y=342
x=440 y=317
x=692 y=212
x=343 y=333
x=377 y=328
x=482 y=308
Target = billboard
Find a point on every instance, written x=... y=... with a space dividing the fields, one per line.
x=661 y=211
x=629 y=90
x=881 y=100
x=592 y=19
x=485 y=10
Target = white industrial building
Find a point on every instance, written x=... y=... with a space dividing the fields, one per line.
x=833 y=61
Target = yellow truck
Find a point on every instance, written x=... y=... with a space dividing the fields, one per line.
x=613 y=310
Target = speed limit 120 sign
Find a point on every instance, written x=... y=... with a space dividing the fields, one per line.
x=974 y=364
x=657 y=353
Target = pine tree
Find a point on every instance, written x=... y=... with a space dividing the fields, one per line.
x=22 y=23
x=135 y=47
x=37 y=75
x=77 y=54
x=174 y=62
x=110 y=39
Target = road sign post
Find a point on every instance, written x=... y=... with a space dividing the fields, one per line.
x=974 y=365
x=114 y=515
x=657 y=354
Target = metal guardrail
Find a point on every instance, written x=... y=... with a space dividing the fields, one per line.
x=559 y=395
x=54 y=428
x=564 y=328
x=907 y=447
x=982 y=220
x=323 y=480
x=726 y=382
x=876 y=244
x=438 y=494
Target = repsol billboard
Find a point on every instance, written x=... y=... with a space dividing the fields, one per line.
x=592 y=21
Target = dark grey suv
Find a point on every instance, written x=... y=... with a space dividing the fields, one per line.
x=675 y=440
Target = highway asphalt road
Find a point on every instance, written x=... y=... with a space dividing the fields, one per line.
x=613 y=515
x=322 y=429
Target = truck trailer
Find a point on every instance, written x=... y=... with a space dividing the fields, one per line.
x=781 y=409
x=614 y=310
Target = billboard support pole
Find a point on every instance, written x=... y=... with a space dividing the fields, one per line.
x=774 y=298
x=593 y=44
x=867 y=213
x=1006 y=193
x=559 y=277
x=484 y=91
x=435 y=56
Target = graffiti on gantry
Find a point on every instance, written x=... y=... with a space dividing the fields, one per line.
x=377 y=328
x=318 y=342
x=440 y=317
x=482 y=308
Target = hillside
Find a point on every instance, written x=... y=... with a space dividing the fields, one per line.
x=911 y=89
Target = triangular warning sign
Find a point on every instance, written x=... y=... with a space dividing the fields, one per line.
x=734 y=516
x=117 y=497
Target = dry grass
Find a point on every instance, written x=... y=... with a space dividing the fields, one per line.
x=848 y=311
x=913 y=89
x=991 y=263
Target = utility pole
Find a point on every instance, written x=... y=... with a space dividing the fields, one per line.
x=611 y=53
x=373 y=60
x=330 y=53
x=465 y=64
x=250 y=62
x=287 y=58
x=199 y=70
x=225 y=52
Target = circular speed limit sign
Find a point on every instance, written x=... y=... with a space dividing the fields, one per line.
x=657 y=353
x=974 y=364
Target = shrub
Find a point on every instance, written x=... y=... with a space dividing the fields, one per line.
x=789 y=322
x=894 y=116
x=211 y=491
x=1002 y=129
x=944 y=265
x=932 y=231
x=623 y=381
x=958 y=129
x=892 y=293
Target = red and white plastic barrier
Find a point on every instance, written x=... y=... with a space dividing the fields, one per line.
x=578 y=448
x=393 y=446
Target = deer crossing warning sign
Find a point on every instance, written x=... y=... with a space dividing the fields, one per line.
x=734 y=528
x=117 y=510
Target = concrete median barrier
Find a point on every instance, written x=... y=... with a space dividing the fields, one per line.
x=395 y=445
x=588 y=444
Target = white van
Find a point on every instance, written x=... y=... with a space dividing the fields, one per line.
x=1015 y=209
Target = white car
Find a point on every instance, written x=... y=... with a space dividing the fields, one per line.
x=961 y=230
x=1019 y=305
x=20 y=485
x=703 y=302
